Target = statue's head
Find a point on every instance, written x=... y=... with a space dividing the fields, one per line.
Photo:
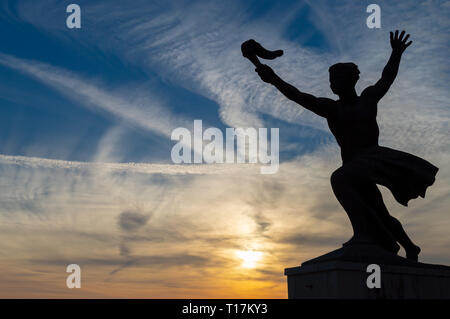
x=343 y=77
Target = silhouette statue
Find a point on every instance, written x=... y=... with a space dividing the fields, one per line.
x=352 y=120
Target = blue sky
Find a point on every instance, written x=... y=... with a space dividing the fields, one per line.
x=77 y=106
x=45 y=123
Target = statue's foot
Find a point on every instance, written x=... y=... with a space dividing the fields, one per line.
x=412 y=253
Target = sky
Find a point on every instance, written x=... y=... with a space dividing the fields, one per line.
x=86 y=116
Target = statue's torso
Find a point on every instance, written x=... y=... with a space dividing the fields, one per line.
x=354 y=126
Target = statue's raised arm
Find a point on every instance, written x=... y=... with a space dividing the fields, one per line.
x=252 y=50
x=399 y=44
x=320 y=106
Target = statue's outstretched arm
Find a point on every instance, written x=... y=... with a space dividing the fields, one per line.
x=320 y=106
x=399 y=44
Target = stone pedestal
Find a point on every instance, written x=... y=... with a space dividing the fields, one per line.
x=342 y=274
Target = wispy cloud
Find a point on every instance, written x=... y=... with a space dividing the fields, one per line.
x=144 y=168
x=143 y=111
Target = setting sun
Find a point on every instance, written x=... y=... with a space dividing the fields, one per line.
x=249 y=258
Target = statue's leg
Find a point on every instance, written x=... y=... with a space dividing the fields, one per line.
x=353 y=191
x=412 y=250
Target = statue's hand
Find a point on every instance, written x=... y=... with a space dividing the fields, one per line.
x=266 y=73
x=398 y=41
